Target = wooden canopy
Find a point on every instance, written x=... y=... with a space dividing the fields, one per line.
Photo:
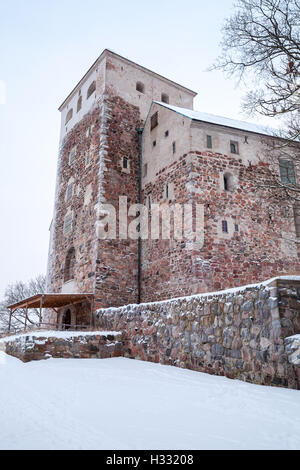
x=51 y=300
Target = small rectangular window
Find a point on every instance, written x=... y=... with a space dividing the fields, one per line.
x=208 y=141
x=125 y=163
x=149 y=201
x=287 y=172
x=69 y=191
x=236 y=227
x=68 y=224
x=154 y=143
x=140 y=87
x=224 y=226
x=297 y=219
x=174 y=147
x=145 y=170
x=166 y=133
x=87 y=159
x=72 y=155
x=165 y=98
x=234 y=147
x=167 y=191
x=154 y=120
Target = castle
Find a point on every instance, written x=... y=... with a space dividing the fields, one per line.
x=127 y=131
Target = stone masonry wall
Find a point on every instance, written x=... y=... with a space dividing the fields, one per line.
x=238 y=333
x=117 y=259
x=259 y=243
x=43 y=345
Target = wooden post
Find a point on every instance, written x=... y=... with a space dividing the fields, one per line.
x=92 y=311
x=26 y=317
x=41 y=306
x=9 y=323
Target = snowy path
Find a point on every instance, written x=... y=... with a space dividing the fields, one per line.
x=125 y=404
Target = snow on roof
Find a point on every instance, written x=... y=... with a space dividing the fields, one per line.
x=219 y=120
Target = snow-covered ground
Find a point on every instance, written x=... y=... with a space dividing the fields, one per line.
x=126 y=404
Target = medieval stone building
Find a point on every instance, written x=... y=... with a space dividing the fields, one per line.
x=127 y=131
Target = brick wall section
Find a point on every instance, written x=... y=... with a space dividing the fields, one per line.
x=258 y=250
x=116 y=265
x=237 y=334
x=107 y=268
x=35 y=346
x=82 y=203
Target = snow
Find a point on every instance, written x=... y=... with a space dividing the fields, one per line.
x=57 y=334
x=220 y=120
x=297 y=337
x=125 y=404
x=231 y=290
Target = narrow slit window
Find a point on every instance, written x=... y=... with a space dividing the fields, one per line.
x=165 y=98
x=208 y=141
x=72 y=155
x=91 y=89
x=68 y=224
x=79 y=104
x=145 y=170
x=69 y=191
x=234 y=148
x=140 y=87
x=297 y=219
x=154 y=120
x=224 y=226
x=69 y=269
x=174 y=147
x=228 y=182
x=69 y=115
x=125 y=163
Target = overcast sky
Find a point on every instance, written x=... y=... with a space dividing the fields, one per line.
x=45 y=48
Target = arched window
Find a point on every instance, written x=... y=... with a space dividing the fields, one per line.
x=70 y=265
x=91 y=89
x=228 y=182
x=234 y=147
x=79 y=103
x=140 y=87
x=66 y=319
x=165 y=98
x=69 y=115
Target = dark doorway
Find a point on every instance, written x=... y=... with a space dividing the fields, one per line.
x=66 y=320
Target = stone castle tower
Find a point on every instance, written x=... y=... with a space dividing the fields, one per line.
x=127 y=131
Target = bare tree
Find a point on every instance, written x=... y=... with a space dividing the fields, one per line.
x=261 y=45
x=14 y=293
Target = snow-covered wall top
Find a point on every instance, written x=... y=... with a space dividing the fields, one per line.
x=237 y=332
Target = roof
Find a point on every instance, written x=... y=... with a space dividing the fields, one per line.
x=101 y=56
x=51 y=300
x=219 y=120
